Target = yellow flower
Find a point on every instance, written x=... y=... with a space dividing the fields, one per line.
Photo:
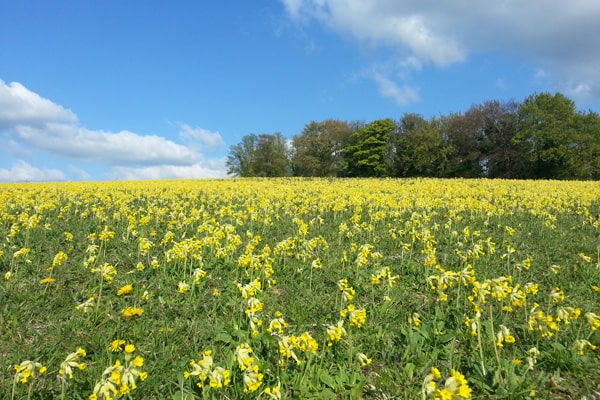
x=47 y=280
x=117 y=345
x=183 y=287
x=125 y=290
x=132 y=312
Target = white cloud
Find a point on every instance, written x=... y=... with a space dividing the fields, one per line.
x=22 y=171
x=110 y=148
x=213 y=169
x=212 y=140
x=402 y=95
x=19 y=105
x=552 y=35
x=32 y=126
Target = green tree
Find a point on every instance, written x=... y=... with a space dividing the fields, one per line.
x=366 y=154
x=550 y=134
x=241 y=159
x=317 y=151
x=418 y=147
x=264 y=155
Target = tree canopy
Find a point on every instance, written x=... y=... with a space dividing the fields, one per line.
x=544 y=137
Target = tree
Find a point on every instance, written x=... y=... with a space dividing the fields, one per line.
x=418 y=147
x=263 y=155
x=240 y=161
x=317 y=151
x=366 y=154
x=549 y=133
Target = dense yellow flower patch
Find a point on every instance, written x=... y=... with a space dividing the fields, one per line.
x=353 y=279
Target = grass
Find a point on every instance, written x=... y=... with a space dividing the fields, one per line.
x=291 y=288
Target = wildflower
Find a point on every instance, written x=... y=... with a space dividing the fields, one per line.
x=357 y=317
x=274 y=392
x=198 y=275
x=533 y=354
x=252 y=379
x=593 y=320
x=59 y=259
x=216 y=293
x=243 y=357
x=27 y=370
x=125 y=290
x=72 y=361
x=107 y=272
x=581 y=344
x=140 y=267
x=117 y=345
x=132 y=312
x=47 y=280
x=286 y=348
x=86 y=305
x=254 y=306
x=106 y=235
x=415 y=319
x=336 y=332
x=219 y=377
x=363 y=359
x=305 y=343
x=183 y=287
x=201 y=368
x=145 y=296
x=347 y=291
x=557 y=295
x=504 y=336
x=277 y=324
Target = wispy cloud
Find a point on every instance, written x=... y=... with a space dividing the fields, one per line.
x=31 y=125
x=553 y=35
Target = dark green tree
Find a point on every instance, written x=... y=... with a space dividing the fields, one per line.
x=264 y=155
x=419 y=148
x=367 y=151
x=550 y=135
x=317 y=151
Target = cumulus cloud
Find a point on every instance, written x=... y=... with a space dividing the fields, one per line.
x=78 y=143
x=213 y=169
x=22 y=171
x=19 y=105
x=552 y=35
x=33 y=126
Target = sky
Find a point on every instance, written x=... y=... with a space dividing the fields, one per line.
x=132 y=89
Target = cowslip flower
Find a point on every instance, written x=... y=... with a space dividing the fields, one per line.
x=219 y=377
x=72 y=361
x=243 y=357
x=363 y=359
x=200 y=368
x=252 y=379
x=28 y=370
x=183 y=287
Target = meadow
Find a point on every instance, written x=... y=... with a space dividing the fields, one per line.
x=300 y=288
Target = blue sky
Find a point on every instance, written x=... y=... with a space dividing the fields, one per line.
x=104 y=90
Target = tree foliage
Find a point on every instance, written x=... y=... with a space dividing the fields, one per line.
x=365 y=154
x=317 y=151
x=264 y=155
x=544 y=137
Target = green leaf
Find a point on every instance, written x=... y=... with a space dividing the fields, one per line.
x=325 y=378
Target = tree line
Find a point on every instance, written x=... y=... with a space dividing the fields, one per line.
x=544 y=137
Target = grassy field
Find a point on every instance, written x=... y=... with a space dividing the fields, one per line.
x=274 y=289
